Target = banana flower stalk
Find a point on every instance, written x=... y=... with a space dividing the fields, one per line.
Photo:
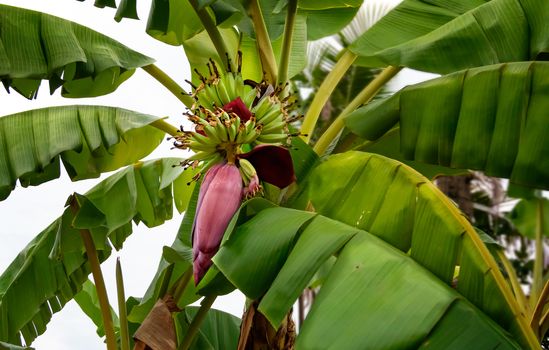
x=221 y=193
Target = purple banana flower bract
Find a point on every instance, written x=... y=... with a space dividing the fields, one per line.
x=272 y=163
x=219 y=198
x=238 y=107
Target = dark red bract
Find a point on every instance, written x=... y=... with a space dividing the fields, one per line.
x=272 y=163
x=238 y=107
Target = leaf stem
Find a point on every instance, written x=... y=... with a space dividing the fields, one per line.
x=122 y=312
x=170 y=84
x=543 y=323
x=537 y=283
x=538 y=310
x=205 y=306
x=168 y=128
x=363 y=97
x=513 y=279
x=287 y=42
x=93 y=259
x=324 y=92
x=213 y=33
x=264 y=46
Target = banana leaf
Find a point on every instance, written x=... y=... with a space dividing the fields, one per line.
x=489 y=118
x=389 y=146
x=51 y=270
x=327 y=4
x=172 y=21
x=200 y=49
x=89 y=140
x=324 y=22
x=6 y=346
x=323 y=18
x=397 y=249
x=444 y=36
x=88 y=302
x=218 y=331
x=528 y=215
x=35 y=46
x=251 y=64
x=126 y=9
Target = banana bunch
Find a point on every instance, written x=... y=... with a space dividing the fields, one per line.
x=271 y=115
x=217 y=134
x=229 y=113
x=217 y=90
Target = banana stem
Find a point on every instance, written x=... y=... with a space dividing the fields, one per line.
x=264 y=46
x=363 y=97
x=537 y=282
x=93 y=259
x=205 y=306
x=324 y=92
x=513 y=279
x=287 y=42
x=538 y=310
x=168 y=128
x=213 y=33
x=170 y=84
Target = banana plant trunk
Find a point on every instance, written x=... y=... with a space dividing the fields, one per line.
x=458 y=188
x=257 y=333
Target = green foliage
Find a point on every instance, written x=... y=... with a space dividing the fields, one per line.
x=527 y=215
x=489 y=118
x=89 y=303
x=55 y=264
x=81 y=61
x=89 y=140
x=366 y=266
x=219 y=330
x=445 y=36
x=400 y=266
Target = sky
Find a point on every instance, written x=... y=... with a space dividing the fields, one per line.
x=27 y=211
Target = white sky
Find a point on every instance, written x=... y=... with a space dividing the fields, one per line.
x=28 y=211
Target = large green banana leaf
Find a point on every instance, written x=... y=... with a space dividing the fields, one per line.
x=489 y=118
x=88 y=301
x=36 y=46
x=173 y=21
x=381 y=293
x=218 y=331
x=323 y=17
x=444 y=36
x=6 y=346
x=529 y=216
x=389 y=146
x=88 y=139
x=53 y=267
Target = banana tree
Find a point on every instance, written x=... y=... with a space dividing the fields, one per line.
x=268 y=211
